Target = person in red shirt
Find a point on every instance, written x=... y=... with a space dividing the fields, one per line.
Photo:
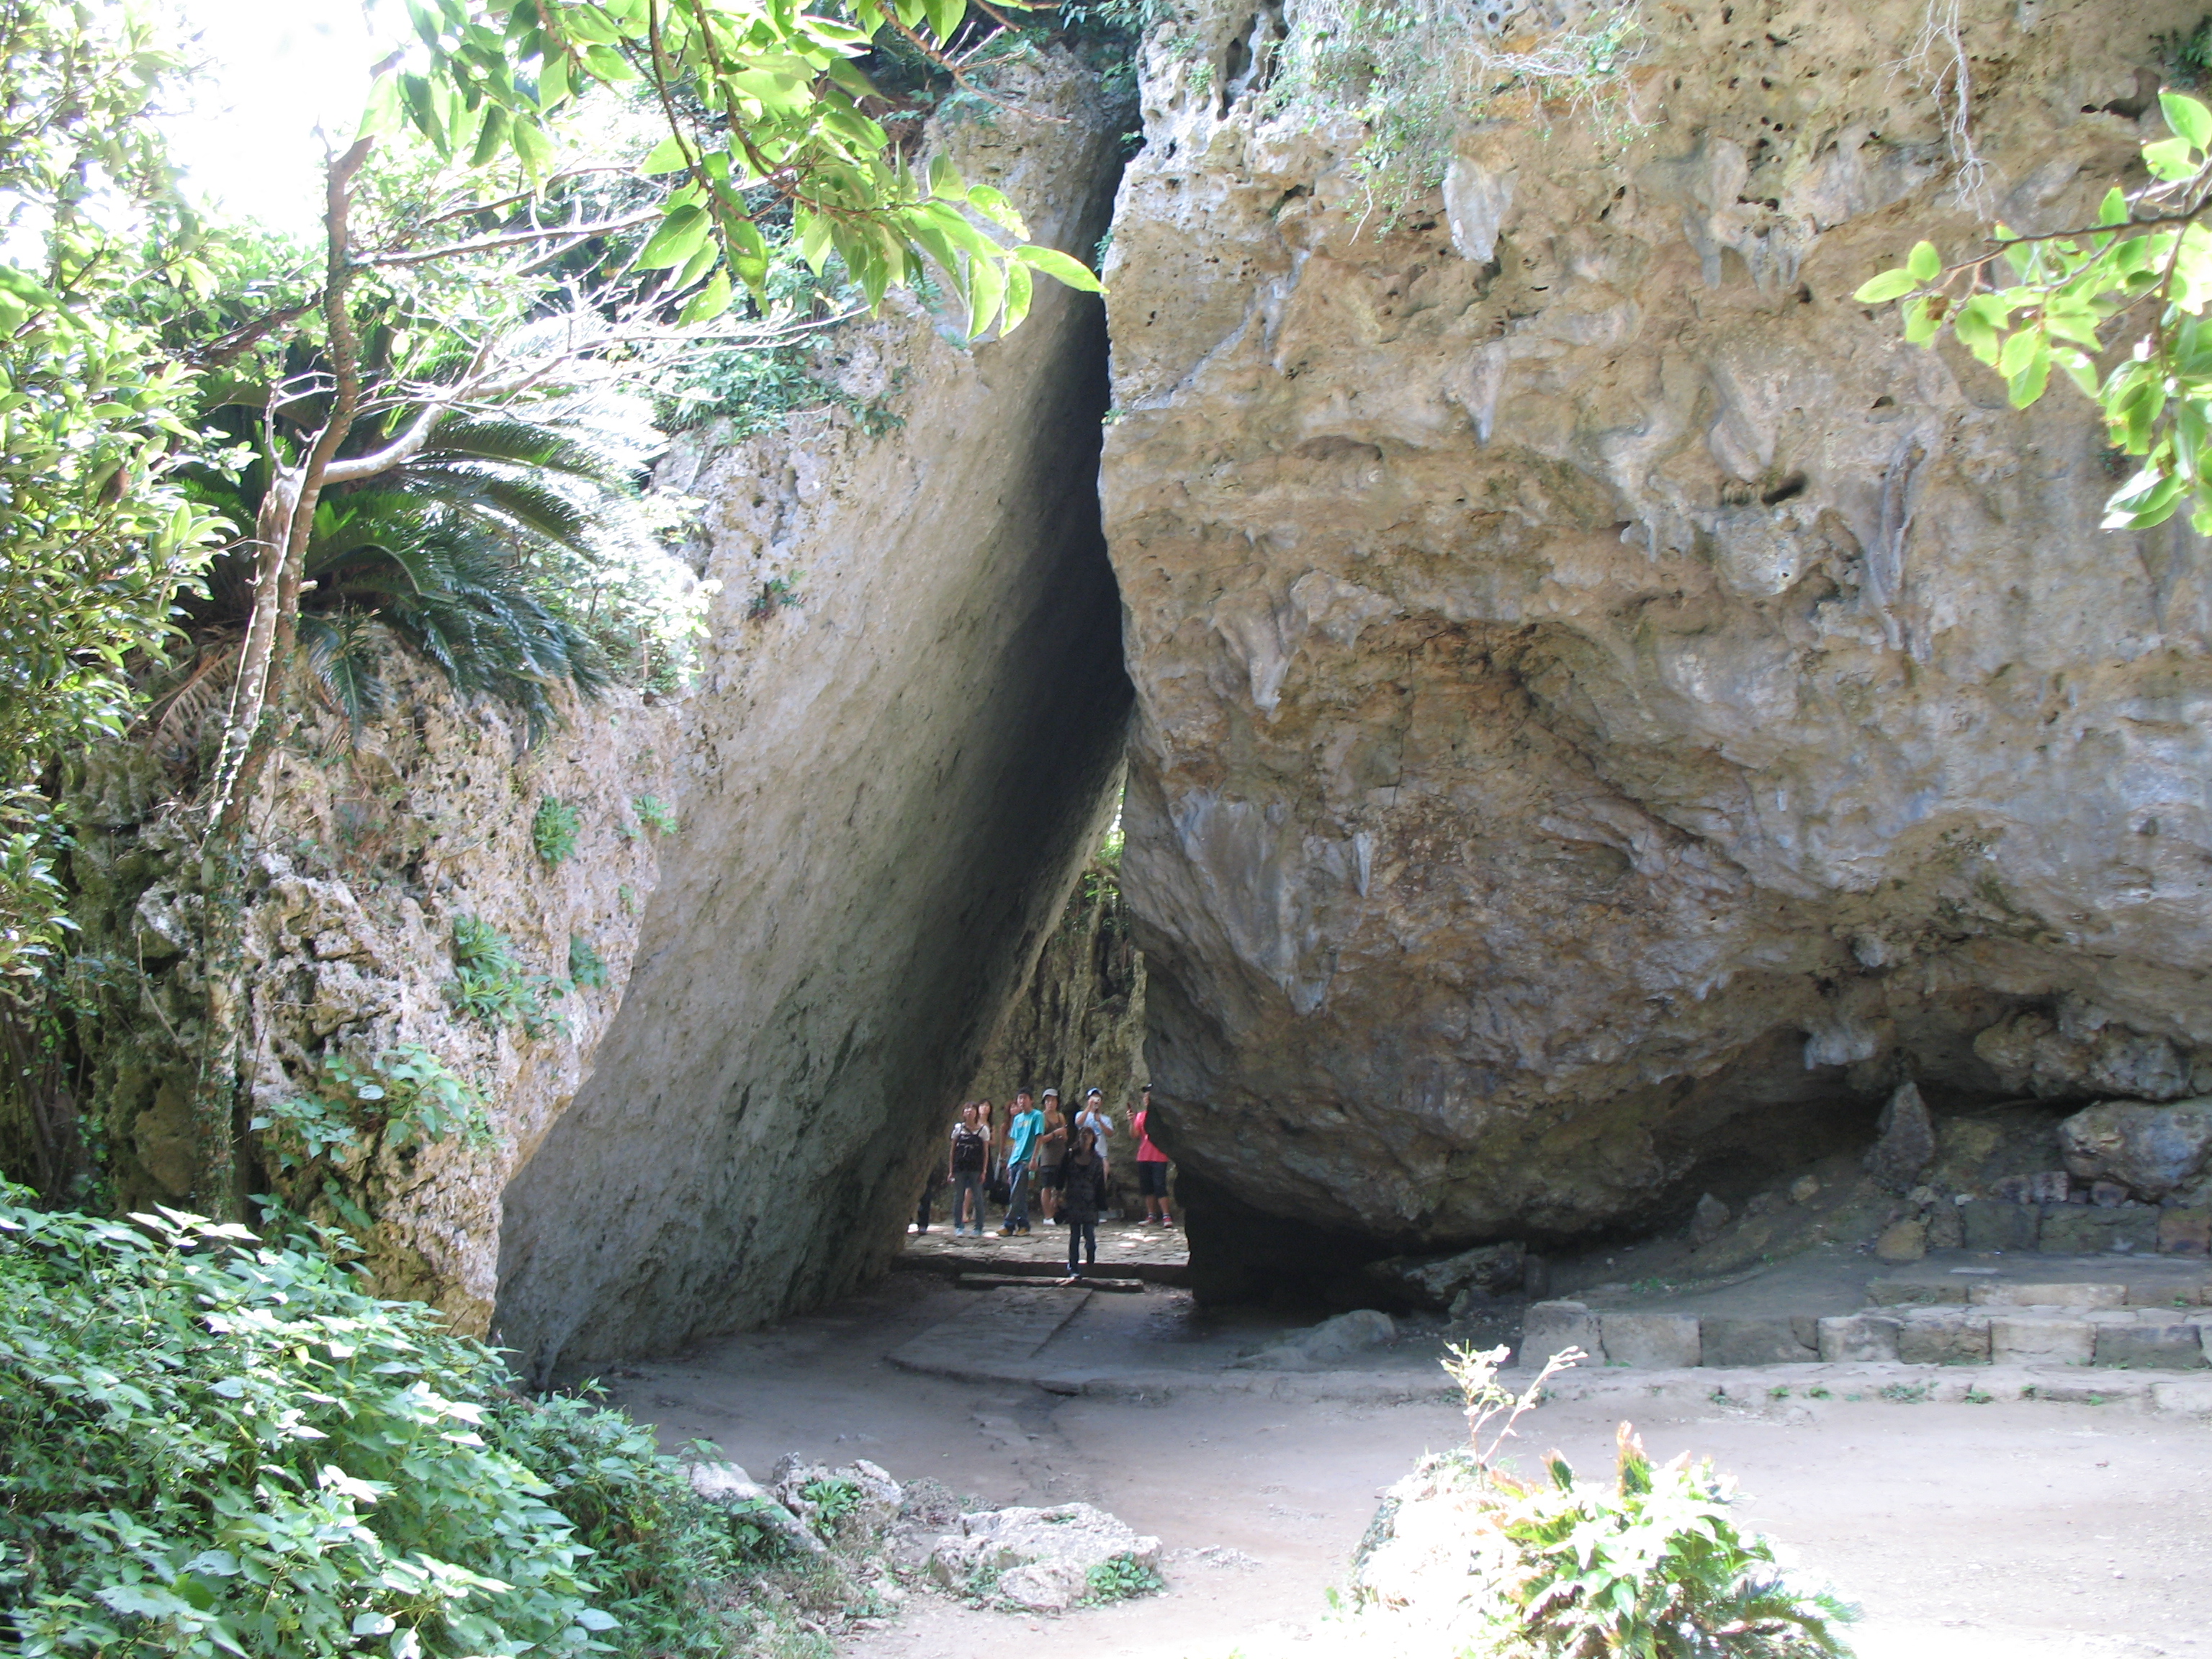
x=1151 y=1168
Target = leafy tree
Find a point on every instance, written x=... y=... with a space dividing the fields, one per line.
x=2067 y=300
x=97 y=539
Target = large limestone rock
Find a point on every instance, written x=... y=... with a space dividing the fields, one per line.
x=902 y=744
x=371 y=847
x=1038 y=1559
x=1602 y=697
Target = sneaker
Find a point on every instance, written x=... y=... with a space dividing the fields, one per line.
x=1005 y=1232
x=1023 y=1230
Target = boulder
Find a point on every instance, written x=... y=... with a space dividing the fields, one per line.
x=1561 y=643
x=1902 y=1241
x=1651 y=1341
x=1907 y=1138
x=1324 y=1344
x=1707 y=1219
x=728 y=1485
x=1036 y=1559
x=1440 y=1282
x=2150 y=1149
x=857 y=1497
x=1859 y=1337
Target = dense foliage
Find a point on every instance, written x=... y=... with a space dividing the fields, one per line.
x=766 y=118
x=211 y=1445
x=97 y=540
x=2063 y=300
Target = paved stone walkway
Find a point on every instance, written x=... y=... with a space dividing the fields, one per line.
x=1121 y=1244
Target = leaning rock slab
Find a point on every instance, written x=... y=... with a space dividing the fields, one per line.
x=1039 y=1558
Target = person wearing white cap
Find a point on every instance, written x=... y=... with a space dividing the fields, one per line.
x=1093 y=1121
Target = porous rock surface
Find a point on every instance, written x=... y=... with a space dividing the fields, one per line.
x=369 y=848
x=1603 y=697
x=1040 y=1558
x=902 y=744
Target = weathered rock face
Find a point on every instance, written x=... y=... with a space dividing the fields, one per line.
x=1079 y=1022
x=1601 y=694
x=889 y=783
x=367 y=856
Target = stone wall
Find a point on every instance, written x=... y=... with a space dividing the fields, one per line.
x=1602 y=697
x=901 y=749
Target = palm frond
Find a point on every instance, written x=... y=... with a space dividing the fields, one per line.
x=342 y=654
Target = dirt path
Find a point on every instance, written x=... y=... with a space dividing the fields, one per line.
x=2027 y=1530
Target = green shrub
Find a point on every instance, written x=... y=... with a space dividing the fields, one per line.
x=406 y=1097
x=553 y=830
x=587 y=967
x=1652 y=1566
x=833 y=1501
x=655 y=814
x=490 y=983
x=210 y=1444
x=1120 y=1578
x=1655 y=1566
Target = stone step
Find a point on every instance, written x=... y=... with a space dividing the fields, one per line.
x=958 y=1264
x=999 y=1281
x=996 y=1336
x=1997 y=1330
x=2136 y=1291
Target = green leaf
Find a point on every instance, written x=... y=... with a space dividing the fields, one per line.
x=945 y=17
x=943 y=177
x=1018 y=293
x=1890 y=285
x=677 y=240
x=1924 y=263
x=708 y=303
x=668 y=156
x=1920 y=325
x=2171 y=159
x=1059 y=267
x=2113 y=210
x=2187 y=117
x=2028 y=385
x=987 y=291
x=993 y=205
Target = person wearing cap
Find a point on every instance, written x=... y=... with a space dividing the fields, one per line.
x=1051 y=1155
x=1152 y=1166
x=1093 y=1121
x=1022 y=1130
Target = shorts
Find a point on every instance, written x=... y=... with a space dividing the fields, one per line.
x=1151 y=1180
x=1054 y=1175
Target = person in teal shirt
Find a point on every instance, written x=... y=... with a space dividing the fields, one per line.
x=1022 y=1132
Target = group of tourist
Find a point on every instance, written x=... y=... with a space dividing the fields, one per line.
x=1067 y=1159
